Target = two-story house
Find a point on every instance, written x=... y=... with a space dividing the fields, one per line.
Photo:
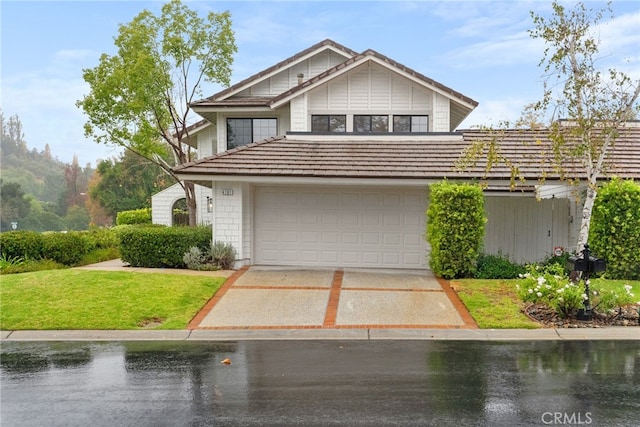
x=325 y=159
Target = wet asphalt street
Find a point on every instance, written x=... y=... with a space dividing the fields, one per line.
x=354 y=383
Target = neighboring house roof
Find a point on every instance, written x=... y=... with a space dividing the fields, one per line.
x=401 y=157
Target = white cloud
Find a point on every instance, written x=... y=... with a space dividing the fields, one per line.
x=511 y=49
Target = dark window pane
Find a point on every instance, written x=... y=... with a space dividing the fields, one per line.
x=245 y=131
x=362 y=123
x=238 y=132
x=338 y=124
x=379 y=123
x=401 y=123
x=319 y=123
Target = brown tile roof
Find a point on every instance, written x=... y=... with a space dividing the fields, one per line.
x=428 y=157
x=222 y=94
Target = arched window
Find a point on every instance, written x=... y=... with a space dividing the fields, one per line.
x=179 y=213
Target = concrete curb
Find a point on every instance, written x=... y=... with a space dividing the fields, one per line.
x=613 y=333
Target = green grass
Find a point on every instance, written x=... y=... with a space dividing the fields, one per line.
x=76 y=299
x=493 y=303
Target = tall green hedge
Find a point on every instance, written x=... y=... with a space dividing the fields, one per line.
x=160 y=246
x=455 y=228
x=136 y=216
x=615 y=228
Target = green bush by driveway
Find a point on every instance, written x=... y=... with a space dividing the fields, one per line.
x=155 y=246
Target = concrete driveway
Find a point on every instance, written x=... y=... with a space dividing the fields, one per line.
x=259 y=297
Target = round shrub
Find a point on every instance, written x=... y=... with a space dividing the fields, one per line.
x=615 y=228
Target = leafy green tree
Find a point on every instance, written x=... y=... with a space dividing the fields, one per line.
x=77 y=218
x=140 y=97
x=126 y=183
x=596 y=103
x=14 y=204
x=42 y=217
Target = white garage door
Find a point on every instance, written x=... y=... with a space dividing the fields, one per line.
x=340 y=227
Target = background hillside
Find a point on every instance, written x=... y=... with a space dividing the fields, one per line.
x=41 y=193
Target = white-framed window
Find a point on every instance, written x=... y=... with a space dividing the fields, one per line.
x=245 y=131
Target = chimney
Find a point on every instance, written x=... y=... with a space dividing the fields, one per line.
x=300 y=78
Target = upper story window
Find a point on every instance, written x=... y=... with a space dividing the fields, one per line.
x=328 y=123
x=245 y=131
x=362 y=123
x=411 y=123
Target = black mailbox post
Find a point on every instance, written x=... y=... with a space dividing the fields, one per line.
x=586 y=264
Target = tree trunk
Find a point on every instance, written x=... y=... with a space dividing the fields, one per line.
x=190 y=195
x=583 y=235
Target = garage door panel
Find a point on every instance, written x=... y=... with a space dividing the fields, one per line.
x=350 y=238
x=412 y=240
x=370 y=219
x=350 y=218
x=392 y=220
x=310 y=237
x=350 y=257
x=394 y=239
x=340 y=227
x=330 y=218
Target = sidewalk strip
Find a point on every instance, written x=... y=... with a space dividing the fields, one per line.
x=193 y=324
x=334 y=299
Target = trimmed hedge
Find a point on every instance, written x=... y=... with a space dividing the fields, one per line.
x=22 y=244
x=64 y=248
x=455 y=228
x=156 y=247
x=137 y=216
x=615 y=228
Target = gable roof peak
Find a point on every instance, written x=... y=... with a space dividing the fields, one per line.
x=274 y=68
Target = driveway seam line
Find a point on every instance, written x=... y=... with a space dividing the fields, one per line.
x=334 y=298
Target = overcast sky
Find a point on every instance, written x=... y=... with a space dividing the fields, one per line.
x=479 y=48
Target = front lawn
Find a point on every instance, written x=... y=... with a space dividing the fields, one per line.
x=77 y=299
x=493 y=303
